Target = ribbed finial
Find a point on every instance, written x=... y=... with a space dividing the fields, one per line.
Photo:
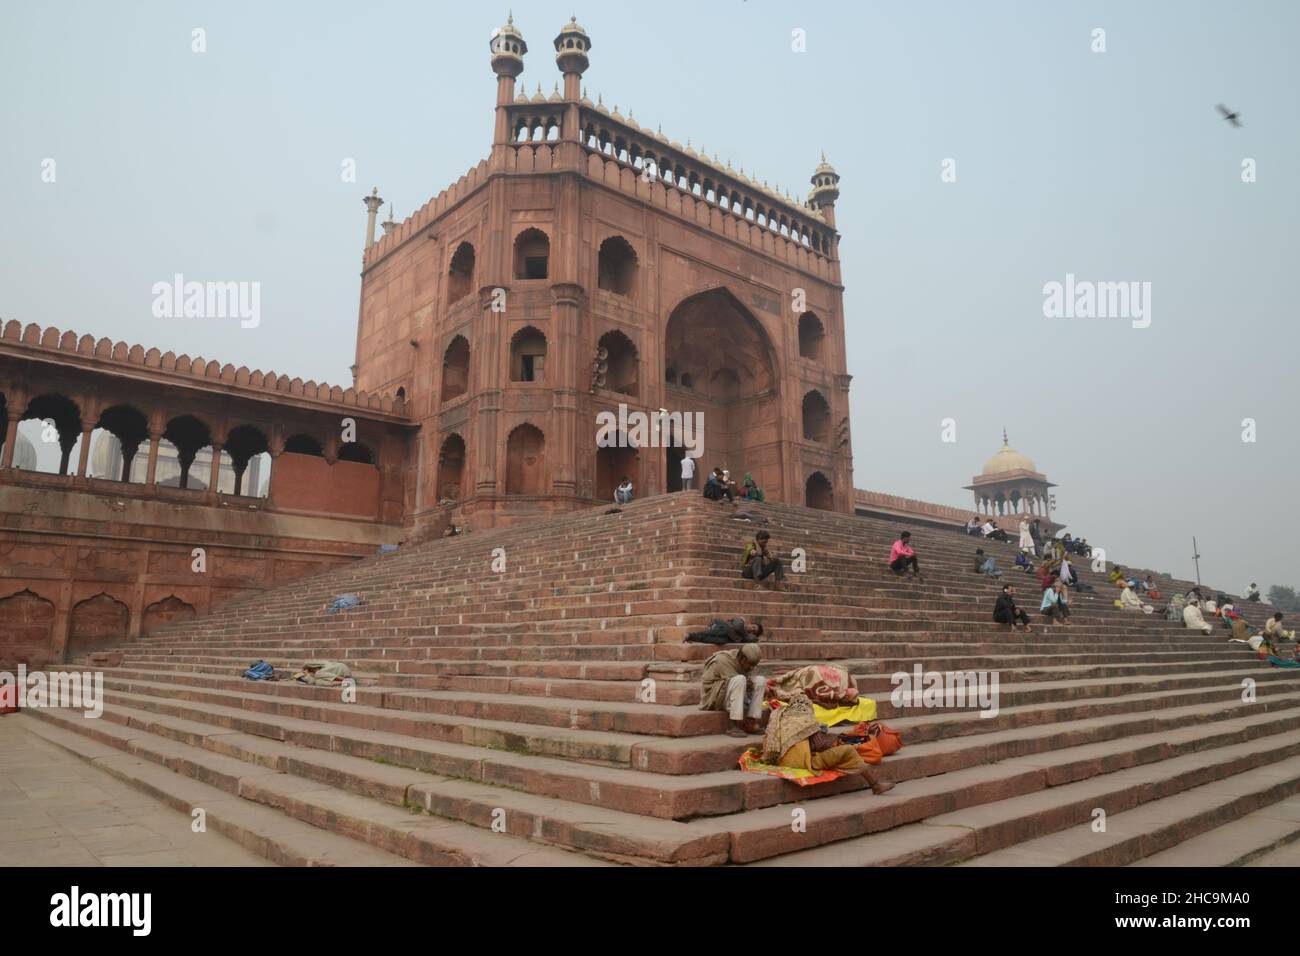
x=1004 y=434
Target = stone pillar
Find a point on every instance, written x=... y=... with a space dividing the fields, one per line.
x=87 y=428
x=11 y=439
x=485 y=375
x=155 y=436
x=563 y=446
x=373 y=202
x=214 y=473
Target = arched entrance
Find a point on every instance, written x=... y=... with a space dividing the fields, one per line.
x=613 y=464
x=817 y=492
x=719 y=362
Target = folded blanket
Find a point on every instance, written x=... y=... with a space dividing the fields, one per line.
x=863 y=709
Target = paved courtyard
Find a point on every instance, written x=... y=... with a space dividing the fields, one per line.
x=58 y=810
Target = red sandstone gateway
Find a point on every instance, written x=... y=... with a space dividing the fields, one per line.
x=586 y=265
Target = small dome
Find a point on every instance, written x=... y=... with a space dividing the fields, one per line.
x=1006 y=460
x=555 y=95
x=572 y=29
x=824 y=168
x=508 y=49
x=571 y=47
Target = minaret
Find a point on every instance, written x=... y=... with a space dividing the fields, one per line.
x=508 y=49
x=571 y=48
x=373 y=202
x=826 y=189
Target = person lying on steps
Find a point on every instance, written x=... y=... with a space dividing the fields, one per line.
x=729 y=684
x=734 y=631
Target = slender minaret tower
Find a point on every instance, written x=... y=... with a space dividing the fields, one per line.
x=373 y=202
x=571 y=48
x=508 y=49
x=826 y=189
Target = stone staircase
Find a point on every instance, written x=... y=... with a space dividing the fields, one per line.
x=547 y=714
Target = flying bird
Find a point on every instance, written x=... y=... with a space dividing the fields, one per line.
x=1229 y=115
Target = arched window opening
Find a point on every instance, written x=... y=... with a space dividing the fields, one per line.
x=526 y=461
x=455 y=369
x=303 y=444
x=528 y=356
x=616 y=266
x=812 y=336
x=816 y=417
x=532 y=254
x=451 y=469
x=47 y=432
x=187 y=436
x=620 y=363
x=116 y=443
x=355 y=451
x=250 y=462
x=460 y=281
x=818 y=493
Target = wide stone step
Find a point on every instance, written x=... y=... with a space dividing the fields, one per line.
x=388 y=828
x=1007 y=831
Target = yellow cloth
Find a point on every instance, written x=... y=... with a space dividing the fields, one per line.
x=863 y=709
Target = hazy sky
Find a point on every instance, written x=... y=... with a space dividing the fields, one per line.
x=1113 y=166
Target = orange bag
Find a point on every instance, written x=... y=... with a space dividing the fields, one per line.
x=889 y=739
x=869 y=750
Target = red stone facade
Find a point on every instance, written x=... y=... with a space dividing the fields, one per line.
x=88 y=562
x=586 y=263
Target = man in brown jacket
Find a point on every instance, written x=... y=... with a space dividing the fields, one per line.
x=729 y=684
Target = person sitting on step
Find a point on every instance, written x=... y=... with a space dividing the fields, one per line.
x=794 y=739
x=716 y=488
x=1006 y=612
x=1192 y=618
x=758 y=563
x=751 y=490
x=623 y=493
x=1273 y=629
x=1129 y=601
x=973 y=526
x=902 y=558
x=1252 y=592
x=1149 y=586
x=729 y=684
x=1023 y=562
x=986 y=565
x=1056 y=604
x=993 y=532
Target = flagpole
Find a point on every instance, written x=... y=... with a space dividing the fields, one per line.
x=1196 y=556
